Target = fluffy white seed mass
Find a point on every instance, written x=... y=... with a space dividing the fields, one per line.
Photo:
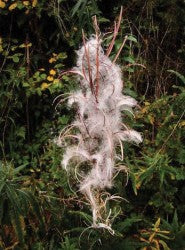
x=99 y=102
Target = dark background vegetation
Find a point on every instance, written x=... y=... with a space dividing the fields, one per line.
x=38 y=206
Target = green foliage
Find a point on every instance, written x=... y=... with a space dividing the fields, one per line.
x=177 y=232
x=39 y=208
x=17 y=202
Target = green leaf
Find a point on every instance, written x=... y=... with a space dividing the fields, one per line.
x=87 y=217
x=129 y=59
x=127 y=223
x=16 y=220
x=18 y=169
x=133 y=179
x=130 y=92
x=15 y=59
x=103 y=20
x=132 y=38
x=77 y=6
x=21 y=132
x=36 y=208
x=64 y=119
x=181 y=156
x=43 y=76
x=181 y=77
x=25 y=84
x=62 y=55
x=67 y=245
x=130 y=70
x=13 y=198
x=2 y=183
x=175 y=223
x=165 y=246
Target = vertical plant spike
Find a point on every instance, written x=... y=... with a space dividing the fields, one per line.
x=99 y=103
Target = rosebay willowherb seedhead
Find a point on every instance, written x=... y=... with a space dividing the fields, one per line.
x=99 y=103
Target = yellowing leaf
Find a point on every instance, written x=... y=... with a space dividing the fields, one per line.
x=151 y=119
x=50 y=78
x=147 y=103
x=138 y=185
x=26 y=3
x=182 y=124
x=164 y=232
x=24 y=45
x=2 y=4
x=165 y=246
x=172 y=176
x=34 y=3
x=52 y=72
x=56 y=81
x=157 y=245
x=51 y=60
x=143 y=239
x=12 y=6
x=44 y=85
x=144 y=110
x=156 y=225
x=152 y=236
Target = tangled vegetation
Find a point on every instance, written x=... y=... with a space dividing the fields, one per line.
x=40 y=206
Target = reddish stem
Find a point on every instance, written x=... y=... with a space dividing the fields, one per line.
x=88 y=63
x=116 y=29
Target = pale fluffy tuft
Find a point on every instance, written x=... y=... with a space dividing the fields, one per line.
x=98 y=121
